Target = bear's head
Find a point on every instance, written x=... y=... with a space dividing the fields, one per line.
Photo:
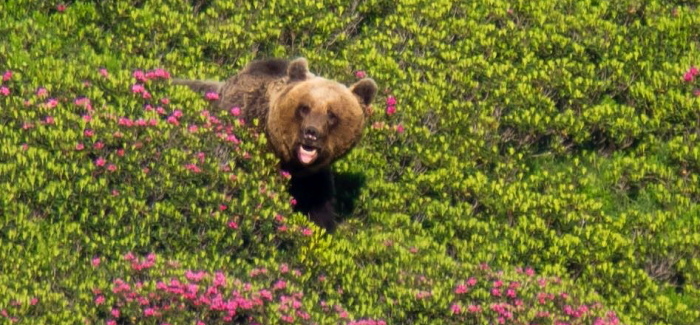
x=313 y=121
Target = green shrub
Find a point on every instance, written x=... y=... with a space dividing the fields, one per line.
x=557 y=135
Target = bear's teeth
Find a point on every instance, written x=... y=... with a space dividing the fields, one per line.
x=307 y=156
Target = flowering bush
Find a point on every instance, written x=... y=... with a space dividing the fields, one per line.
x=557 y=135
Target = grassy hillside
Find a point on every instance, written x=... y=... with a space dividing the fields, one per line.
x=525 y=162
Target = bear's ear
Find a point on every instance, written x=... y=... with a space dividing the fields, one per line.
x=365 y=89
x=298 y=70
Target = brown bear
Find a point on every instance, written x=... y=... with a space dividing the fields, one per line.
x=309 y=121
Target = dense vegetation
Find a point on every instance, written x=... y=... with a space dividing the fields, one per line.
x=526 y=162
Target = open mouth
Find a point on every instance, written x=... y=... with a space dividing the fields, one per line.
x=307 y=154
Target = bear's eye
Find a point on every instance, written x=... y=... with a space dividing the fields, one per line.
x=303 y=110
x=332 y=118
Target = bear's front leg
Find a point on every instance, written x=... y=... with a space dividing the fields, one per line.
x=315 y=197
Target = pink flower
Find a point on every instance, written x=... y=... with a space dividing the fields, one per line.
x=236 y=111
x=79 y=146
x=543 y=314
x=34 y=301
x=219 y=279
x=99 y=300
x=95 y=262
x=693 y=70
x=112 y=167
x=124 y=121
x=98 y=145
x=7 y=75
x=103 y=72
x=52 y=103
x=87 y=118
x=222 y=207
x=5 y=91
x=161 y=73
x=120 y=152
x=279 y=285
x=192 y=128
x=233 y=225
x=149 y=312
x=111 y=322
x=83 y=102
x=137 y=88
x=461 y=289
x=306 y=232
x=232 y=138
x=688 y=77
x=193 y=168
x=99 y=162
x=212 y=96
x=390 y=110
x=60 y=7
x=455 y=309
x=391 y=101
x=49 y=120
x=177 y=113
x=165 y=101
x=360 y=74
x=529 y=271
x=115 y=312
x=696 y=92
x=195 y=276
x=495 y=292
x=42 y=92
x=173 y=120
x=139 y=75
x=400 y=129
x=293 y=202
x=471 y=281
x=284 y=268
x=27 y=126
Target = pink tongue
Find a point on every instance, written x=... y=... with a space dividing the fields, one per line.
x=307 y=157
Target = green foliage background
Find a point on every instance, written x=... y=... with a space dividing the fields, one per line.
x=558 y=135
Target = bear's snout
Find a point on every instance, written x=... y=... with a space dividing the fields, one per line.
x=311 y=133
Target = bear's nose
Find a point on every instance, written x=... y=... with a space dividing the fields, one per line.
x=311 y=133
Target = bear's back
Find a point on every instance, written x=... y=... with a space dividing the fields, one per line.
x=247 y=89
